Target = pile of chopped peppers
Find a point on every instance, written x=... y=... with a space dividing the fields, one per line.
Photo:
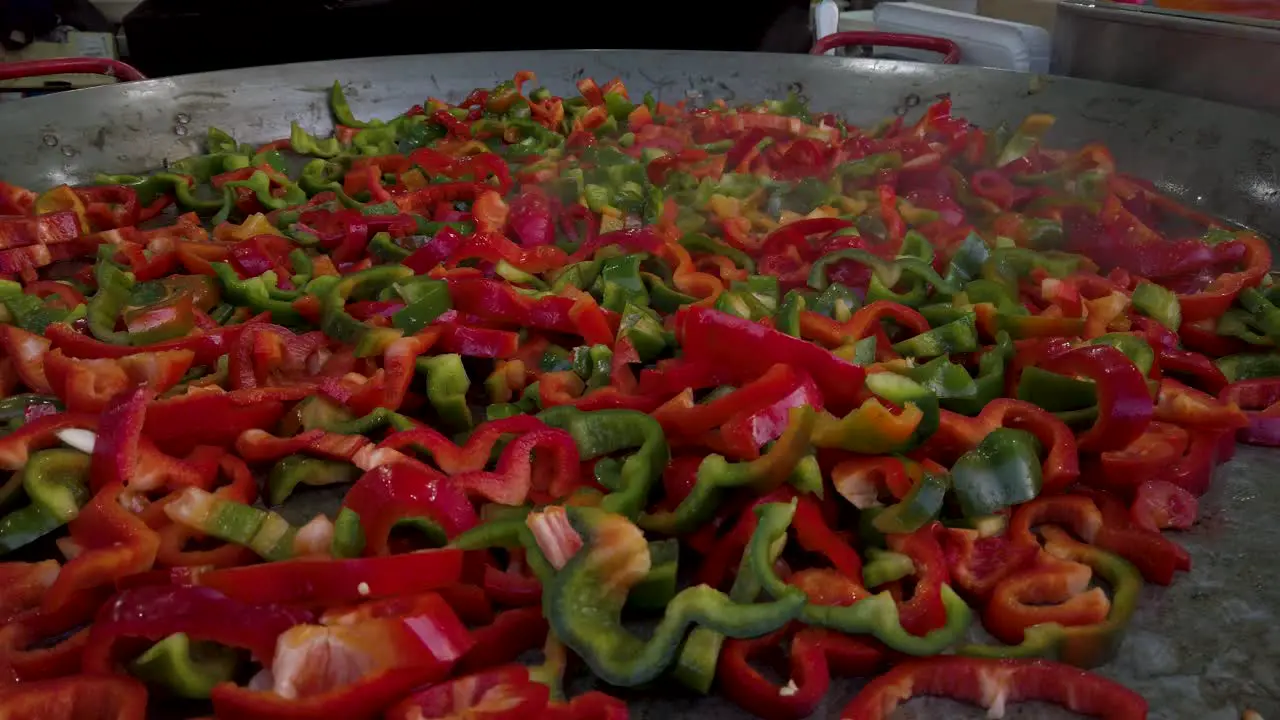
x=781 y=389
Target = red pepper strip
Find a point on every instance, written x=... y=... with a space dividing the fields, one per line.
x=498 y=302
x=332 y=582
x=113 y=543
x=115 y=452
x=467 y=601
x=924 y=611
x=26 y=656
x=635 y=240
x=1155 y=556
x=153 y=613
x=1159 y=505
x=724 y=557
x=27 y=352
x=1053 y=591
x=1260 y=399
x=79 y=697
x=593 y=705
x=670 y=377
x=477 y=341
x=511 y=634
x=748 y=431
x=977 y=564
x=208 y=417
x=993 y=684
x=512 y=479
x=351 y=671
x=266 y=355
x=473 y=455
x=513 y=586
x=208 y=347
x=1124 y=403
x=24 y=583
x=755 y=396
x=391 y=493
x=260 y=446
x=1192 y=409
x=87 y=385
x=64 y=295
x=502 y=693
x=748 y=350
x=388 y=386
x=824 y=586
x=816 y=536
x=493 y=247
x=958 y=434
x=1194 y=470
x=1157 y=449
x=794 y=234
x=40 y=433
x=427 y=257
x=1216 y=299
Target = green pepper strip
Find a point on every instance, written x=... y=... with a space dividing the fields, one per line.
x=887 y=272
x=266 y=533
x=876 y=615
x=620 y=283
x=338 y=324
x=954 y=337
x=658 y=587
x=583 y=601
x=295 y=469
x=989 y=384
x=1086 y=646
x=604 y=432
x=342 y=109
x=56 y=481
x=701 y=242
x=1158 y=302
x=348 y=534
x=945 y=379
x=304 y=143
x=150 y=187
x=184 y=668
x=640 y=326
x=255 y=293
x=716 y=475
x=260 y=184
x=114 y=287
x=1134 y=347
x=447 y=385
x=884 y=567
x=1004 y=470
x=1266 y=316
x=966 y=263
x=1249 y=366
x=920 y=506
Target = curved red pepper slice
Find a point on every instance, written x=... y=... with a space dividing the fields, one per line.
x=502 y=693
x=87 y=385
x=977 y=564
x=1160 y=505
x=748 y=350
x=816 y=536
x=210 y=417
x=207 y=346
x=1124 y=403
x=512 y=633
x=38 y=434
x=514 y=586
x=513 y=478
x=27 y=352
x=958 y=434
x=260 y=446
x=115 y=452
x=156 y=612
x=1151 y=454
x=1260 y=400
x=1190 y=408
x=1054 y=591
x=333 y=582
x=775 y=385
x=1216 y=299
x=994 y=683
x=81 y=697
x=388 y=494
x=474 y=454
x=924 y=611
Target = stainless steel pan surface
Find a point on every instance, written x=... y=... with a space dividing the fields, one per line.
x=1206 y=648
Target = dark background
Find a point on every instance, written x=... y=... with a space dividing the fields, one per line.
x=169 y=37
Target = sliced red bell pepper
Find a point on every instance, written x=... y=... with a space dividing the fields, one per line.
x=1052 y=591
x=958 y=434
x=1215 y=299
x=115 y=452
x=27 y=352
x=26 y=654
x=111 y=542
x=749 y=350
x=993 y=684
x=388 y=386
x=351 y=670
x=511 y=634
x=207 y=346
x=332 y=582
x=502 y=693
x=1124 y=403
x=260 y=446
x=211 y=416
x=755 y=396
x=977 y=564
x=510 y=482
x=1152 y=453
x=474 y=454
x=87 y=385
x=392 y=493
x=513 y=586
x=816 y=536
x=1160 y=505
x=38 y=434
x=153 y=613
x=1260 y=400
x=924 y=611
x=76 y=698
x=1193 y=409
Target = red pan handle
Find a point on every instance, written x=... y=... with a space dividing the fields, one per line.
x=60 y=66
x=949 y=50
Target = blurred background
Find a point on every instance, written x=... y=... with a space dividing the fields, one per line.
x=1194 y=47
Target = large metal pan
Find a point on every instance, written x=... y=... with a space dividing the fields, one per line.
x=1206 y=648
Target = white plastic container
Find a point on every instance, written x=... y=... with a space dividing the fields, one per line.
x=984 y=42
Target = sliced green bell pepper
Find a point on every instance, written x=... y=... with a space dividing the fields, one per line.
x=184 y=668
x=1004 y=470
x=447 y=385
x=1159 y=303
x=605 y=432
x=295 y=469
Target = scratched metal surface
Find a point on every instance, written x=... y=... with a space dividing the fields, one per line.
x=1206 y=648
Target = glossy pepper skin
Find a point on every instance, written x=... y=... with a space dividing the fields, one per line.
x=992 y=683
x=609 y=558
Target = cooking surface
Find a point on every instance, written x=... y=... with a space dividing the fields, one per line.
x=1204 y=648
